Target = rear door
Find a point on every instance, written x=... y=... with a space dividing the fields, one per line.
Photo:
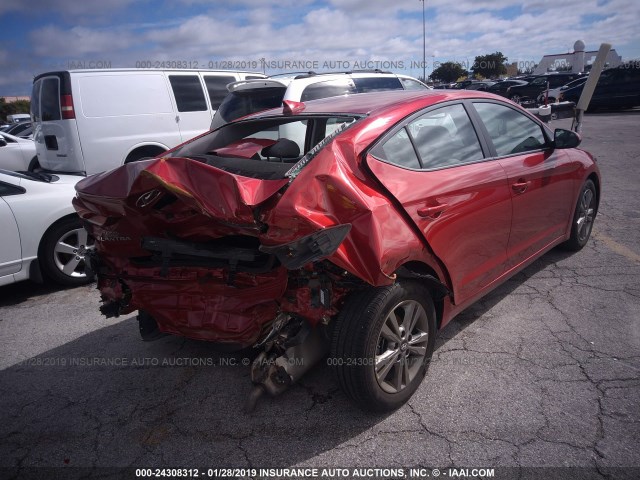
x=540 y=179
x=193 y=114
x=55 y=128
x=435 y=166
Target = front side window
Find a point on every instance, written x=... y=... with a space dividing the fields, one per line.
x=511 y=132
x=188 y=92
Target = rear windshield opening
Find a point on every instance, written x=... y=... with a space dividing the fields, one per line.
x=265 y=148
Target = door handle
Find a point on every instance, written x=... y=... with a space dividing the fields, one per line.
x=520 y=186
x=433 y=211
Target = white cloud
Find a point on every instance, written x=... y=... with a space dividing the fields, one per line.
x=338 y=30
x=52 y=41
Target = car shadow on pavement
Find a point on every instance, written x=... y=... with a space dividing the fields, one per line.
x=17 y=293
x=108 y=399
x=478 y=309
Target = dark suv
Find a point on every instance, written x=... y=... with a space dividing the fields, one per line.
x=617 y=88
x=531 y=90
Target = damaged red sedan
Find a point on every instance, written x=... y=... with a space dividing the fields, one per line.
x=356 y=226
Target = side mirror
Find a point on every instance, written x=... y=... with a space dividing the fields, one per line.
x=565 y=138
x=3 y=142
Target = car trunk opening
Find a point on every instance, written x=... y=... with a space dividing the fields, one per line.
x=180 y=236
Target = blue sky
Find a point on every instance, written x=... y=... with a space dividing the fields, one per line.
x=43 y=35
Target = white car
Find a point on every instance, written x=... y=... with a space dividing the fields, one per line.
x=17 y=154
x=42 y=237
x=251 y=96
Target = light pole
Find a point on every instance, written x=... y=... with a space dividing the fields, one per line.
x=424 y=46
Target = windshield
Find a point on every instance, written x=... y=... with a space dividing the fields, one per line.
x=264 y=148
x=240 y=103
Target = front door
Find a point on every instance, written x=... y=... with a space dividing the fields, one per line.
x=540 y=179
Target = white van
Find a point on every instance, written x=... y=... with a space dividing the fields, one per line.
x=89 y=121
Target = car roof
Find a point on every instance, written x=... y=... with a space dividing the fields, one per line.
x=378 y=102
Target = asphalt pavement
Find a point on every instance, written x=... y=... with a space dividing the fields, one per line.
x=543 y=372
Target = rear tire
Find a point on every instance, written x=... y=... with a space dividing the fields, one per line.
x=583 y=217
x=34 y=164
x=62 y=251
x=382 y=344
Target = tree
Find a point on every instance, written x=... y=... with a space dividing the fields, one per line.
x=448 y=72
x=490 y=66
x=528 y=69
x=19 y=106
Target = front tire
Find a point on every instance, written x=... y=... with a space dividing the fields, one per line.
x=583 y=217
x=62 y=252
x=382 y=344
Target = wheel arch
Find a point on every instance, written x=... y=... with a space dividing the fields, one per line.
x=429 y=278
x=150 y=149
x=593 y=176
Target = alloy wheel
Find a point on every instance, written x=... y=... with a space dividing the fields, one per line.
x=70 y=250
x=586 y=214
x=402 y=346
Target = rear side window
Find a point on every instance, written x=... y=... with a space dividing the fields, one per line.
x=217 y=88
x=411 y=84
x=35 y=101
x=445 y=137
x=377 y=84
x=331 y=88
x=188 y=92
x=512 y=132
x=7 y=190
x=50 y=99
x=244 y=102
x=399 y=151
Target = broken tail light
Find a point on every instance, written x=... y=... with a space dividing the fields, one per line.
x=311 y=248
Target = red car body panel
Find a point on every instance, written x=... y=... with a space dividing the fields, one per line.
x=393 y=218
